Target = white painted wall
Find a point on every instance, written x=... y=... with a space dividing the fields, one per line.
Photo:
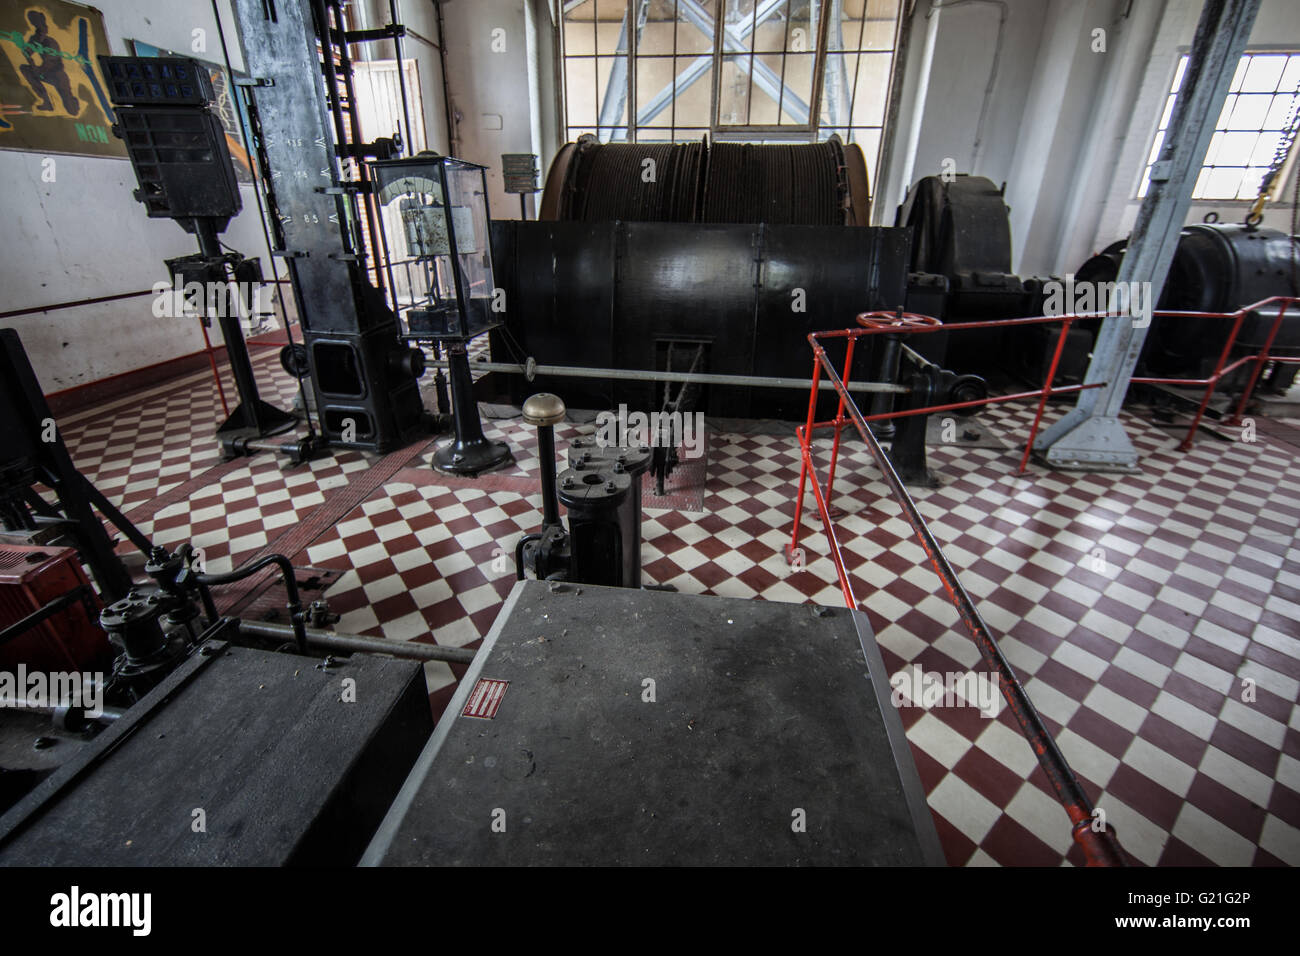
x=84 y=236
x=500 y=105
x=1276 y=27
x=1068 y=129
x=420 y=18
x=949 y=63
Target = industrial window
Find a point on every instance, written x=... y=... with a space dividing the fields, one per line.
x=379 y=101
x=754 y=70
x=1255 y=129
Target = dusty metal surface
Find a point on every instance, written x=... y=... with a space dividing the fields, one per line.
x=765 y=716
x=284 y=767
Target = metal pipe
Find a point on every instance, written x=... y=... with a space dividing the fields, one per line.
x=546 y=457
x=446 y=93
x=290 y=585
x=357 y=643
x=519 y=552
x=19 y=628
x=839 y=420
x=216 y=373
x=647 y=375
x=1259 y=366
x=1047 y=392
x=407 y=145
x=887 y=365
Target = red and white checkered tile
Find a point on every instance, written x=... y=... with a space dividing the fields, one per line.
x=247 y=508
x=139 y=447
x=426 y=563
x=1152 y=616
x=1139 y=610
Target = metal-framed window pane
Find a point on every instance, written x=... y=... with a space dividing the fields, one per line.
x=654 y=73
x=837 y=90
x=579 y=29
x=769 y=36
x=1249 y=111
x=733 y=91
x=871 y=91
x=1263 y=97
x=694 y=101
x=1266 y=145
x=801 y=31
x=690 y=38
x=1263 y=73
x=1279 y=112
x=763 y=108
x=1291 y=75
x=738 y=18
x=766 y=65
x=580 y=91
x=604 y=72
x=658 y=33
x=800 y=68
x=879 y=26
x=1178 y=75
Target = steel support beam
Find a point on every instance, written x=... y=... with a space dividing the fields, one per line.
x=612 y=106
x=1090 y=436
x=733 y=41
x=838 y=95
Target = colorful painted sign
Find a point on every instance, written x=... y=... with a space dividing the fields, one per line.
x=52 y=94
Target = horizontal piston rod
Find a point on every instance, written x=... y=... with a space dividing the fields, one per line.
x=356 y=643
x=649 y=375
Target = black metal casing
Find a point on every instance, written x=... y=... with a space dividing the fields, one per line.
x=176 y=145
x=614 y=294
x=360 y=372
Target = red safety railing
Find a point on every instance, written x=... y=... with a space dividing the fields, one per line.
x=1223 y=368
x=903 y=323
x=1099 y=845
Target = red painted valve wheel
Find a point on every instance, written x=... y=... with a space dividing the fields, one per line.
x=896 y=321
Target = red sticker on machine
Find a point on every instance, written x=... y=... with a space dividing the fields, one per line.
x=485 y=699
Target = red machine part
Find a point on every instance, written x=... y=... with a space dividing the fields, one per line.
x=31 y=577
x=899 y=321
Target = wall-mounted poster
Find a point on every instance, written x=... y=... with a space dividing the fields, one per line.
x=228 y=104
x=52 y=97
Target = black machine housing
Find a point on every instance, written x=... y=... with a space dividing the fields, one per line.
x=1217 y=267
x=364 y=379
x=618 y=294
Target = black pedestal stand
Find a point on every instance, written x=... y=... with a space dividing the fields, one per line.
x=469 y=453
x=253 y=418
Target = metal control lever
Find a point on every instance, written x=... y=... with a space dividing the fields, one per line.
x=545 y=553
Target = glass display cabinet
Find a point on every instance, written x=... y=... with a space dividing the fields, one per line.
x=433 y=213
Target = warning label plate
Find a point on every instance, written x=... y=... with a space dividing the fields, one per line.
x=485 y=698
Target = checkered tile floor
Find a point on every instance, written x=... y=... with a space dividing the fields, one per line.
x=247 y=508
x=1153 y=617
x=137 y=448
